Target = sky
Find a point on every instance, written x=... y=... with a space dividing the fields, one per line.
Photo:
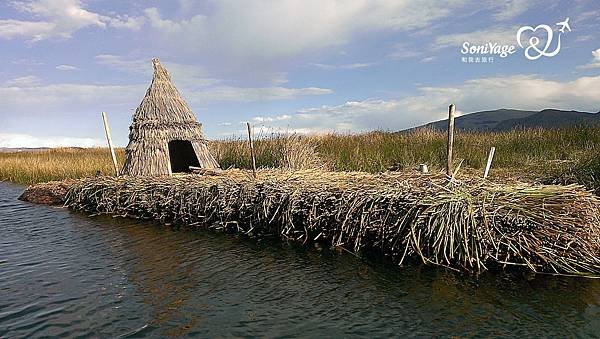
x=287 y=66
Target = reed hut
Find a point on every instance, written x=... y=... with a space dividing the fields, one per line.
x=165 y=136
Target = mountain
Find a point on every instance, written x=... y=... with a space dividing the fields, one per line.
x=21 y=149
x=507 y=119
x=550 y=118
x=35 y=149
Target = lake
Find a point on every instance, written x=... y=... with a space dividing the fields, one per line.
x=65 y=274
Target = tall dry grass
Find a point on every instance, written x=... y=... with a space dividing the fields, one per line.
x=537 y=151
x=531 y=154
x=56 y=164
x=274 y=151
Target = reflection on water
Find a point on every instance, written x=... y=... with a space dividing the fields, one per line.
x=64 y=274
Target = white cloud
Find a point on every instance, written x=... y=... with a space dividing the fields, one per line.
x=271 y=119
x=59 y=19
x=355 y=65
x=130 y=65
x=124 y=21
x=27 y=62
x=25 y=95
x=188 y=76
x=267 y=29
x=595 y=63
x=25 y=81
x=11 y=140
x=279 y=78
x=403 y=51
x=251 y=94
x=182 y=74
x=520 y=91
x=10 y=29
x=503 y=36
x=69 y=109
x=197 y=88
x=66 y=68
x=586 y=16
x=512 y=8
x=584 y=38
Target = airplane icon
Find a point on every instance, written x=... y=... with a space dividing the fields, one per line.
x=564 y=25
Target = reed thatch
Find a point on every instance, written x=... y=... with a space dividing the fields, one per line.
x=469 y=225
x=162 y=117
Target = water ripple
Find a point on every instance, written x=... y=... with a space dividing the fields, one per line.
x=65 y=274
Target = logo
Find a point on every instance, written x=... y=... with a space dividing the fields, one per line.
x=538 y=44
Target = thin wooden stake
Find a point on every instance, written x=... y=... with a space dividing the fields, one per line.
x=489 y=162
x=449 y=166
x=251 y=150
x=110 y=144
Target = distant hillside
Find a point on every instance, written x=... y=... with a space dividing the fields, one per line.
x=21 y=149
x=507 y=119
x=34 y=149
x=551 y=118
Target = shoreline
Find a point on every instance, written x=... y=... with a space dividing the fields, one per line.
x=468 y=225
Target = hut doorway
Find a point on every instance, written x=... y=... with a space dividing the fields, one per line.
x=182 y=156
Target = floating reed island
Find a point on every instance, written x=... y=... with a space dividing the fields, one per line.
x=468 y=225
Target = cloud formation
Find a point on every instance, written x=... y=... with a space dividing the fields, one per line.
x=59 y=19
x=252 y=94
x=200 y=89
x=503 y=36
x=512 y=8
x=24 y=81
x=595 y=63
x=519 y=91
x=356 y=65
x=27 y=95
x=11 y=140
x=66 y=68
x=313 y=24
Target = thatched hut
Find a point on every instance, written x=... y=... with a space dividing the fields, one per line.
x=165 y=136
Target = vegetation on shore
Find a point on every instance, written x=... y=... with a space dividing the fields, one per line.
x=564 y=155
x=56 y=164
x=469 y=225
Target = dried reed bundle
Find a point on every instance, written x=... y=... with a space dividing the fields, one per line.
x=470 y=225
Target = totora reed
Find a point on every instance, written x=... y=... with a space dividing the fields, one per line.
x=164 y=132
x=467 y=225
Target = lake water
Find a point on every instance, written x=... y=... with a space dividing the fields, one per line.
x=65 y=274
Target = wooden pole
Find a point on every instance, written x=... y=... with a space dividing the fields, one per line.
x=449 y=166
x=489 y=162
x=251 y=150
x=110 y=144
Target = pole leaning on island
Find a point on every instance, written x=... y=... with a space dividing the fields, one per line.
x=110 y=144
x=251 y=150
x=489 y=162
x=449 y=167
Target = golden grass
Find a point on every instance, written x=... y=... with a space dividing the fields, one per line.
x=56 y=164
x=529 y=155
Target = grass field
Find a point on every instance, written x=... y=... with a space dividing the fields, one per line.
x=55 y=164
x=567 y=155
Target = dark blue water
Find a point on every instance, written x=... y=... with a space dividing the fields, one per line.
x=65 y=274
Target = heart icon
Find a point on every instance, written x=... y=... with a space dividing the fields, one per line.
x=534 y=41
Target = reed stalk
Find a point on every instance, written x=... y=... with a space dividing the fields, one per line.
x=467 y=225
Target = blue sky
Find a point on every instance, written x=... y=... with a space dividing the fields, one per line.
x=305 y=66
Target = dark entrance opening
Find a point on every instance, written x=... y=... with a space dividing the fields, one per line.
x=182 y=156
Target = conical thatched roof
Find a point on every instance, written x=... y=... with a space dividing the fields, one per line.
x=161 y=123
